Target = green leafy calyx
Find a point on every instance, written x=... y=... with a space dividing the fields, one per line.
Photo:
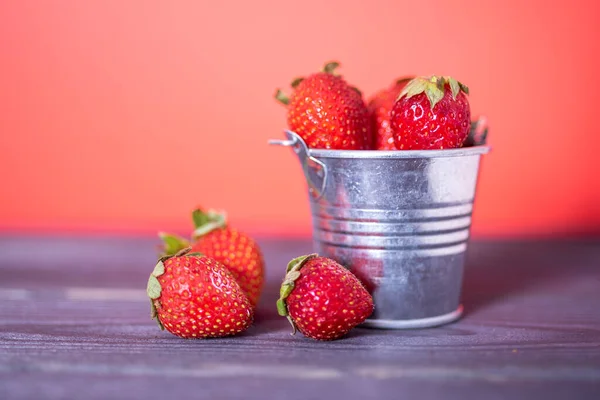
x=404 y=80
x=172 y=244
x=282 y=97
x=330 y=67
x=296 y=82
x=434 y=88
x=292 y=274
x=205 y=222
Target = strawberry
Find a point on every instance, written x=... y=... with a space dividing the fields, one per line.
x=431 y=113
x=194 y=296
x=380 y=106
x=234 y=249
x=322 y=299
x=327 y=113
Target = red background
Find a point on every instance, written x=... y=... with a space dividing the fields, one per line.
x=120 y=116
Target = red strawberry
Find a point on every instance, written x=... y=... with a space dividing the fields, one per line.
x=380 y=107
x=322 y=298
x=193 y=296
x=234 y=249
x=328 y=113
x=431 y=113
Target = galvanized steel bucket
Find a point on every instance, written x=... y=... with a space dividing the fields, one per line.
x=399 y=220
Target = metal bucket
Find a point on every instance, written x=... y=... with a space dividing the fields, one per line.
x=399 y=220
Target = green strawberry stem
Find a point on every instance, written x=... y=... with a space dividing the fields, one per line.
x=205 y=222
x=293 y=273
x=172 y=243
x=434 y=88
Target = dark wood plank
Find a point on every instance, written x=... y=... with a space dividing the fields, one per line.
x=74 y=322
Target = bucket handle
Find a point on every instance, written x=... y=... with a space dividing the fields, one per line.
x=315 y=171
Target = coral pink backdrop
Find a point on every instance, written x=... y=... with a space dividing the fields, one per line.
x=120 y=116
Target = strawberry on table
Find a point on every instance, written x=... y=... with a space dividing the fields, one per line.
x=327 y=113
x=322 y=299
x=431 y=113
x=234 y=249
x=194 y=296
x=380 y=106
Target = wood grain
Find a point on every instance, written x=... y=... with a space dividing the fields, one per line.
x=74 y=323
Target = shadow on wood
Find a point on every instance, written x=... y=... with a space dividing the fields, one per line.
x=496 y=271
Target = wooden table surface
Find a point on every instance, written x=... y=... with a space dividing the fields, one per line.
x=74 y=323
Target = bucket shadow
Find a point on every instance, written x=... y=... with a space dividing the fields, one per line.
x=496 y=271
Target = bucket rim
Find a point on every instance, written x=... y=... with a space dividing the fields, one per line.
x=395 y=154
